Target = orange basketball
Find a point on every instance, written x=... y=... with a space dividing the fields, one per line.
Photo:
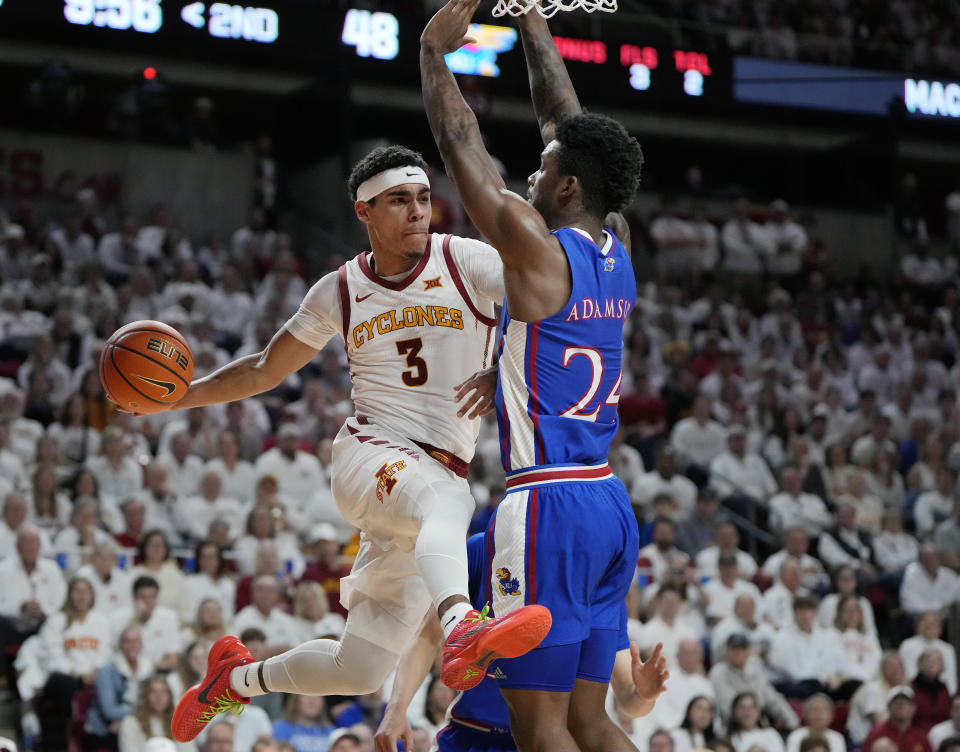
x=146 y=366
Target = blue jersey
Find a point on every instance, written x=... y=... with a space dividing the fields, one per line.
x=559 y=378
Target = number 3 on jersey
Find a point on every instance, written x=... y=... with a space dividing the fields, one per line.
x=577 y=410
x=411 y=348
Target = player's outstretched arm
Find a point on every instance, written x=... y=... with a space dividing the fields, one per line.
x=250 y=375
x=550 y=86
x=411 y=671
x=637 y=684
x=530 y=254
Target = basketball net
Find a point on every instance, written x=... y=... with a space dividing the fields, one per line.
x=547 y=8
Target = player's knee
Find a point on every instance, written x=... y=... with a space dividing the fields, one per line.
x=538 y=738
x=590 y=732
x=360 y=684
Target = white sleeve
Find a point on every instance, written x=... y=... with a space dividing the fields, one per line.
x=318 y=319
x=480 y=264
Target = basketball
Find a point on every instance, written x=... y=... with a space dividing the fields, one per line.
x=146 y=366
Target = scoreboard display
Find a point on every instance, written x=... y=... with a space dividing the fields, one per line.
x=173 y=27
x=614 y=62
x=624 y=67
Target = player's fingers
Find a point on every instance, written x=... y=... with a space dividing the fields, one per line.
x=469 y=404
x=655 y=655
x=635 y=656
x=483 y=407
x=463 y=392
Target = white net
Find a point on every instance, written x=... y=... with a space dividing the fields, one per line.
x=547 y=8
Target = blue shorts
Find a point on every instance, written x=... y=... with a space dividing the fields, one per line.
x=571 y=547
x=455 y=737
x=549 y=669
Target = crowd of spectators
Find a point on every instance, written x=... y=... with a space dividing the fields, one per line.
x=791 y=449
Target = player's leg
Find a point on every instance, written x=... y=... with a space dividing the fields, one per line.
x=391 y=488
x=421 y=497
x=445 y=508
x=558 y=693
x=576 y=557
x=538 y=720
x=386 y=600
x=589 y=722
x=351 y=665
x=537 y=689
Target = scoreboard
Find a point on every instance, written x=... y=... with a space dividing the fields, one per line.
x=613 y=61
x=619 y=66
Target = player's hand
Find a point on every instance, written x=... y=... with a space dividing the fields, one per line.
x=391 y=730
x=447 y=30
x=650 y=676
x=478 y=392
x=151 y=410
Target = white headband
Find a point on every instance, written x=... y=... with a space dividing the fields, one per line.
x=390 y=179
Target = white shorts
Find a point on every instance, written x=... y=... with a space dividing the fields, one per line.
x=385 y=484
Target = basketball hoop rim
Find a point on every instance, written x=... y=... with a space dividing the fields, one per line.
x=549 y=8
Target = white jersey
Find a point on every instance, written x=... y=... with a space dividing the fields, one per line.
x=411 y=340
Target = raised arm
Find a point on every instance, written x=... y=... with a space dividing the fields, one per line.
x=553 y=94
x=530 y=254
x=550 y=86
x=411 y=671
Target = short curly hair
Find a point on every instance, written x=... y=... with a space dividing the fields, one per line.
x=380 y=159
x=599 y=152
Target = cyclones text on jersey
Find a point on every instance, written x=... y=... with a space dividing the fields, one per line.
x=405 y=318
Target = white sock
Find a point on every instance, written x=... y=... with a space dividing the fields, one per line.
x=453 y=616
x=245 y=680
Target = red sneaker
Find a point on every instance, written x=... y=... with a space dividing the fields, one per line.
x=204 y=701
x=479 y=640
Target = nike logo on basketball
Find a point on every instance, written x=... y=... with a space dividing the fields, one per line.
x=168 y=385
x=202 y=696
x=359 y=299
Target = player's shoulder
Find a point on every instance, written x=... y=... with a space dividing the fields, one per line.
x=326 y=282
x=324 y=294
x=459 y=245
